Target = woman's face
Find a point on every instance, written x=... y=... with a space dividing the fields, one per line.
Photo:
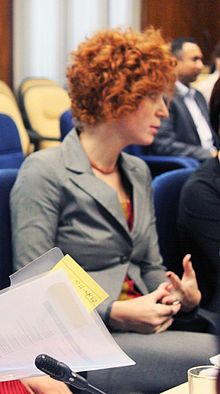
x=141 y=126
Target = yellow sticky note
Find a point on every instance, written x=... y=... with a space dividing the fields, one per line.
x=87 y=288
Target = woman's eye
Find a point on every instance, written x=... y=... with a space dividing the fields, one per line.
x=166 y=100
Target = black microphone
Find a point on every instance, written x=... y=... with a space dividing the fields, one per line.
x=60 y=371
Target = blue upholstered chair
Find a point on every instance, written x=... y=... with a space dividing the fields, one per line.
x=66 y=123
x=11 y=154
x=7 y=179
x=167 y=188
x=9 y=107
x=160 y=164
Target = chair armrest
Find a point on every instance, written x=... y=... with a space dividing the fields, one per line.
x=36 y=138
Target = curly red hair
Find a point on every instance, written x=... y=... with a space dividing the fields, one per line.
x=112 y=71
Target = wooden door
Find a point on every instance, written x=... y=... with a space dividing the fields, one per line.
x=6 y=41
x=177 y=18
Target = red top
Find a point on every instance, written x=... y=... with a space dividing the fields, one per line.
x=129 y=289
x=13 y=387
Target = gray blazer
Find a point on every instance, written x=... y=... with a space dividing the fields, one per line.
x=178 y=134
x=57 y=201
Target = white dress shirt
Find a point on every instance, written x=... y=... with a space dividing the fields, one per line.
x=206 y=85
x=199 y=120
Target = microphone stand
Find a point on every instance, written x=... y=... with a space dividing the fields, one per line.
x=60 y=371
x=90 y=388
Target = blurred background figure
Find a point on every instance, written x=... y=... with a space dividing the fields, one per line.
x=207 y=84
x=199 y=228
x=187 y=131
x=215 y=107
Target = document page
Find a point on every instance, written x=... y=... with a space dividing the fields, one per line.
x=46 y=315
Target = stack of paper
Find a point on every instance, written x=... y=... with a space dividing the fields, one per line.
x=50 y=308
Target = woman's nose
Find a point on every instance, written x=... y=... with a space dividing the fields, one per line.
x=163 y=111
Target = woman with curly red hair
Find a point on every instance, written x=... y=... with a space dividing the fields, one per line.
x=94 y=201
x=111 y=73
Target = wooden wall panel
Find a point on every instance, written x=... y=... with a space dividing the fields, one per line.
x=197 y=18
x=6 y=41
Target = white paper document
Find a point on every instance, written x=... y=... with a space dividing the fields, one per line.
x=215 y=360
x=45 y=315
x=41 y=264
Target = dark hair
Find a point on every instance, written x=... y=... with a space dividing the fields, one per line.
x=215 y=55
x=215 y=106
x=216 y=52
x=177 y=44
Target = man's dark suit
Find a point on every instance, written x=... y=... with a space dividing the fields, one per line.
x=178 y=135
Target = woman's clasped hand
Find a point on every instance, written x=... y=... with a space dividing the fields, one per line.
x=154 y=312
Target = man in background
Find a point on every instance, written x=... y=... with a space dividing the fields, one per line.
x=187 y=131
x=206 y=85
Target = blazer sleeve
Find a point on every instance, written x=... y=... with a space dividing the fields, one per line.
x=34 y=204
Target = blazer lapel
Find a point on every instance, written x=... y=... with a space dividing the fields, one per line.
x=139 y=198
x=187 y=114
x=81 y=174
x=102 y=193
x=202 y=105
x=188 y=117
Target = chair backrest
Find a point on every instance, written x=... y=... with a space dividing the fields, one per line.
x=7 y=179
x=159 y=164
x=29 y=82
x=43 y=105
x=8 y=106
x=166 y=192
x=11 y=154
x=25 y=84
x=5 y=89
x=66 y=123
